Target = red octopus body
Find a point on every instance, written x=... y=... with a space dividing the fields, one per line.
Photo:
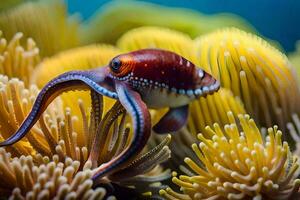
x=165 y=67
x=162 y=76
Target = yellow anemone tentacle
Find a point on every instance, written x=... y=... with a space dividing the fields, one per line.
x=253 y=70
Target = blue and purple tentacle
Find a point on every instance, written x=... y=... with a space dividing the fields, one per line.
x=141 y=119
x=73 y=80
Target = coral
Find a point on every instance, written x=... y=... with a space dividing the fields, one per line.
x=22 y=178
x=44 y=21
x=41 y=177
x=244 y=63
x=212 y=109
x=203 y=112
x=17 y=60
x=255 y=71
x=16 y=101
x=252 y=69
x=239 y=165
x=156 y=37
x=56 y=137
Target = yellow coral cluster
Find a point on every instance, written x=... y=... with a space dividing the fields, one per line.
x=44 y=21
x=239 y=165
x=56 y=137
x=212 y=109
x=17 y=60
x=16 y=101
x=59 y=134
x=260 y=75
x=155 y=37
x=23 y=178
x=255 y=71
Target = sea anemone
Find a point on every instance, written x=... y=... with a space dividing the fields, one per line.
x=156 y=37
x=203 y=112
x=253 y=70
x=212 y=109
x=44 y=21
x=239 y=165
x=246 y=64
x=17 y=60
x=16 y=101
x=23 y=178
x=55 y=136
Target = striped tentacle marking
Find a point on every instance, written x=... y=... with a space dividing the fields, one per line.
x=140 y=115
x=73 y=80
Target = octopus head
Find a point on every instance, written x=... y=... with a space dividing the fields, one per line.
x=121 y=66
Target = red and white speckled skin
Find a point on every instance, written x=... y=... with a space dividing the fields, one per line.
x=163 y=78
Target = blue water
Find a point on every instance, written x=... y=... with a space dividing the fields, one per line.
x=276 y=19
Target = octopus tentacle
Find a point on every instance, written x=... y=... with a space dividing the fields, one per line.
x=140 y=115
x=72 y=80
x=173 y=120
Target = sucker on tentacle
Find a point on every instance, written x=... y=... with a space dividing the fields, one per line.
x=151 y=78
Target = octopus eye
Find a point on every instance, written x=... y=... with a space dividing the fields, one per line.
x=115 y=65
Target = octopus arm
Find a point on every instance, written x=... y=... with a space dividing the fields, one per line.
x=137 y=109
x=172 y=121
x=72 y=80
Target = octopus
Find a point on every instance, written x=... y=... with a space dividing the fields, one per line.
x=142 y=79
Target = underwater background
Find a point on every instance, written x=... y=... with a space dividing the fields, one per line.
x=240 y=142
x=276 y=19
